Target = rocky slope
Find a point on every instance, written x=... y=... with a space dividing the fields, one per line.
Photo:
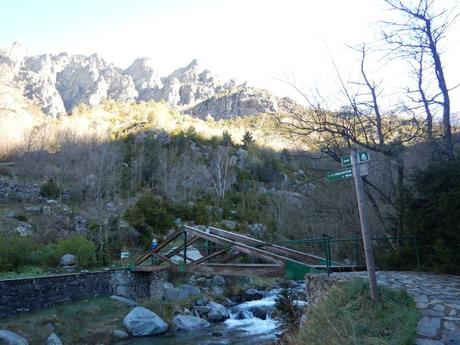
x=58 y=83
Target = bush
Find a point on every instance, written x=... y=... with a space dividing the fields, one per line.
x=433 y=213
x=83 y=248
x=16 y=252
x=286 y=311
x=50 y=189
x=349 y=317
x=21 y=217
x=150 y=216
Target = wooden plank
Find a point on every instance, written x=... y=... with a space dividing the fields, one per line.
x=213 y=255
x=163 y=244
x=239 y=270
x=256 y=252
x=229 y=258
x=154 y=268
x=165 y=259
x=143 y=258
x=274 y=248
x=181 y=247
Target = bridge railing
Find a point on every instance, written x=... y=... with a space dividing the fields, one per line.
x=390 y=252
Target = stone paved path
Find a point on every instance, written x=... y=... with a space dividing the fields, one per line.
x=436 y=296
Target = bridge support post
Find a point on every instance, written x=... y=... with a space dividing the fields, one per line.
x=185 y=247
x=417 y=254
x=327 y=252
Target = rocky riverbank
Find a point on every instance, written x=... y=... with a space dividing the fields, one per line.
x=199 y=310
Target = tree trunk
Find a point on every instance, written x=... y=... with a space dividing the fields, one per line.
x=446 y=128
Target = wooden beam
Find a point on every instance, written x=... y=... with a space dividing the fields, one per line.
x=256 y=252
x=273 y=248
x=229 y=258
x=164 y=258
x=213 y=255
x=154 y=268
x=181 y=247
x=261 y=270
x=163 y=243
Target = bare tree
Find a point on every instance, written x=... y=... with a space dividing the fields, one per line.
x=219 y=169
x=420 y=33
x=361 y=122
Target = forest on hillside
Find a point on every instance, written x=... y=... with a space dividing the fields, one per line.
x=110 y=178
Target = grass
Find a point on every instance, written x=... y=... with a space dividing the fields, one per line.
x=23 y=272
x=348 y=317
x=88 y=322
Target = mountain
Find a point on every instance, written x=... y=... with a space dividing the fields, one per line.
x=58 y=83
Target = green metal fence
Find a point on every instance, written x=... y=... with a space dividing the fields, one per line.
x=350 y=251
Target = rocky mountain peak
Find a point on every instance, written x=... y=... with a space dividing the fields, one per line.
x=13 y=55
x=58 y=83
x=145 y=78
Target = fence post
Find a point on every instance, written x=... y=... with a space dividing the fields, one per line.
x=327 y=252
x=185 y=247
x=417 y=254
x=356 y=252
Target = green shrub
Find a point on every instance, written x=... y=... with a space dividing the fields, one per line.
x=286 y=310
x=349 y=317
x=83 y=248
x=21 y=217
x=16 y=252
x=50 y=189
x=433 y=213
x=150 y=216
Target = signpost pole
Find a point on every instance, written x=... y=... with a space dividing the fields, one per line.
x=364 y=227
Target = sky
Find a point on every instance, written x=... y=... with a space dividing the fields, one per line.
x=265 y=42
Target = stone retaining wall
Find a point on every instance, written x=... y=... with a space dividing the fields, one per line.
x=30 y=294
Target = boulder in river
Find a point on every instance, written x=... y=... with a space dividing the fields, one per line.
x=218 y=312
x=175 y=294
x=144 y=322
x=189 y=323
x=218 y=280
x=181 y=293
x=202 y=301
x=252 y=295
x=53 y=339
x=261 y=311
x=243 y=315
x=190 y=290
x=11 y=338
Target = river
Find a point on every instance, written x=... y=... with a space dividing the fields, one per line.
x=242 y=328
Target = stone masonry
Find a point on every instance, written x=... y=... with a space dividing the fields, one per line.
x=30 y=294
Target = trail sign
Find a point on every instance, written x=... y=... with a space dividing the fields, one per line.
x=347 y=173
x=346 y=161
x=339 y=175
x=363 y=157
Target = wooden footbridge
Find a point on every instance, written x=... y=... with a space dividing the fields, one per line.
x=217 y=251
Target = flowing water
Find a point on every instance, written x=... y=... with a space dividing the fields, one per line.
x=242 y=328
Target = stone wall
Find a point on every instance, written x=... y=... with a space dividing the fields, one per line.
x=23 y=295
x=319 y=285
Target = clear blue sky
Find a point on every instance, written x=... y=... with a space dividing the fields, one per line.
x=260 y=41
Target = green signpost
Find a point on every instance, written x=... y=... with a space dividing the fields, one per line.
x=363 y=157
x=339 y=175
